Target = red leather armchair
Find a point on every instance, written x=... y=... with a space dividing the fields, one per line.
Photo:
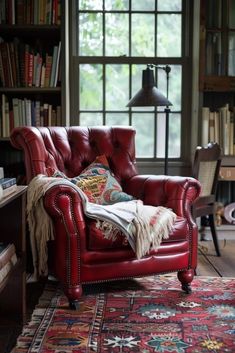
x=80 y=253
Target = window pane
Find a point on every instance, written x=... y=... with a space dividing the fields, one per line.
x=90 y=4
x=90 y=34
x=117 y=87
x=144 y=125
x=117 y=119
x=91 y=119
x=175 y=85
x=146 y=5
x=117 y=5
x=169 y=35
x=174 y=135
x=142 y=36
x=117 y=31
x=91 y=87
x=169 y=5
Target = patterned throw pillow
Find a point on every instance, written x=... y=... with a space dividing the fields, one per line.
x=99 y=184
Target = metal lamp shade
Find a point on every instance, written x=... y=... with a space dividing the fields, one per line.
x=148 y=95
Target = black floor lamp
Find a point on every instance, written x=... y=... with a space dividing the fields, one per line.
x=149 y=95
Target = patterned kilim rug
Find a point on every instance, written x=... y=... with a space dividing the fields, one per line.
x=143 y=315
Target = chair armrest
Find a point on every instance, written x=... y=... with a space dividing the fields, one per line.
x=64 y=202
x=175 y=192
x=64 y=205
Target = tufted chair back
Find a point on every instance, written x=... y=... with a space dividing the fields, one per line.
x=71 y=149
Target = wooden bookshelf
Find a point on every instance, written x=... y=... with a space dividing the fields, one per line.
x=31 y=77
x=12 y=230
x=217 y=83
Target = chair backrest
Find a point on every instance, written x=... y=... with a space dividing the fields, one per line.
x=71 y=149
x=206 y=166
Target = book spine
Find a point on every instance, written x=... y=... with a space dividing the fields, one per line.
x=227 y=173
x=48 y=70
x=22 y=64
x=7 y=182
x=7 y=268
x=17 y=62
x=205 y=125
x=13 y=63
x=20 y=12
x=57 y=65
x=53 y=69
x=15 y=104
x=11 y=82
x=3 y=49
x=26 y=64
x=2 y=75
x=6 y=254
x=30 y=69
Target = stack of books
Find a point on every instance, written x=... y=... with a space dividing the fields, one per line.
x=8 y=259
x=7 y=186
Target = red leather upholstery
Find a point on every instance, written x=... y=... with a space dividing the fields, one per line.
x=80 y=254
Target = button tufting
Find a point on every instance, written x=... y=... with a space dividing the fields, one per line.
x=84 y=164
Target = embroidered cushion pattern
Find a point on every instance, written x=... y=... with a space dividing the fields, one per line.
x=98 y=183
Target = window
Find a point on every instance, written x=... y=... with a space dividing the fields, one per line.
x=114 y=41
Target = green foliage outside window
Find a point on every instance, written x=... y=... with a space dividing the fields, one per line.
x=104 y=87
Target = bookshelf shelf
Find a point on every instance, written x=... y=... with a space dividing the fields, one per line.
x=31 y=90
x=29 y=31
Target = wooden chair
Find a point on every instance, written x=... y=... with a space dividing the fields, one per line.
x=206 y=166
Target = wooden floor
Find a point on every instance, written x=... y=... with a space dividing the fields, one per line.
x=211 y=265
x=208 y=265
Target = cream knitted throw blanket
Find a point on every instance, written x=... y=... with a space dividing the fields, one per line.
x=144 y=226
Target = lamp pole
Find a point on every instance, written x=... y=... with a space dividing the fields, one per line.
x=167 y=110
x=149 y=95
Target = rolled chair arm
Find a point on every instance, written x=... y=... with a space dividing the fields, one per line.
x=64 y=206
x=175 y=192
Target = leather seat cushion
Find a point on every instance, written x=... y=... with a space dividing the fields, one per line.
x=97 y=241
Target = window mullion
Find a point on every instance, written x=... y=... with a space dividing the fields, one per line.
x=104 y=66
x=130 y=53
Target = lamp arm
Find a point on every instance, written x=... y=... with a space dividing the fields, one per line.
x=166 y=68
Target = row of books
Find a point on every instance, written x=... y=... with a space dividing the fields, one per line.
x=215 y=64
x=214 y=13
x=25 y=112
x=215 y=60
x=7 y=186
x=219 y=126
x=8 y=259
x=22 y=65
x=26 y=12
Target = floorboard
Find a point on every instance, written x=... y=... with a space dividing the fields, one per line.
x=223 y=265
